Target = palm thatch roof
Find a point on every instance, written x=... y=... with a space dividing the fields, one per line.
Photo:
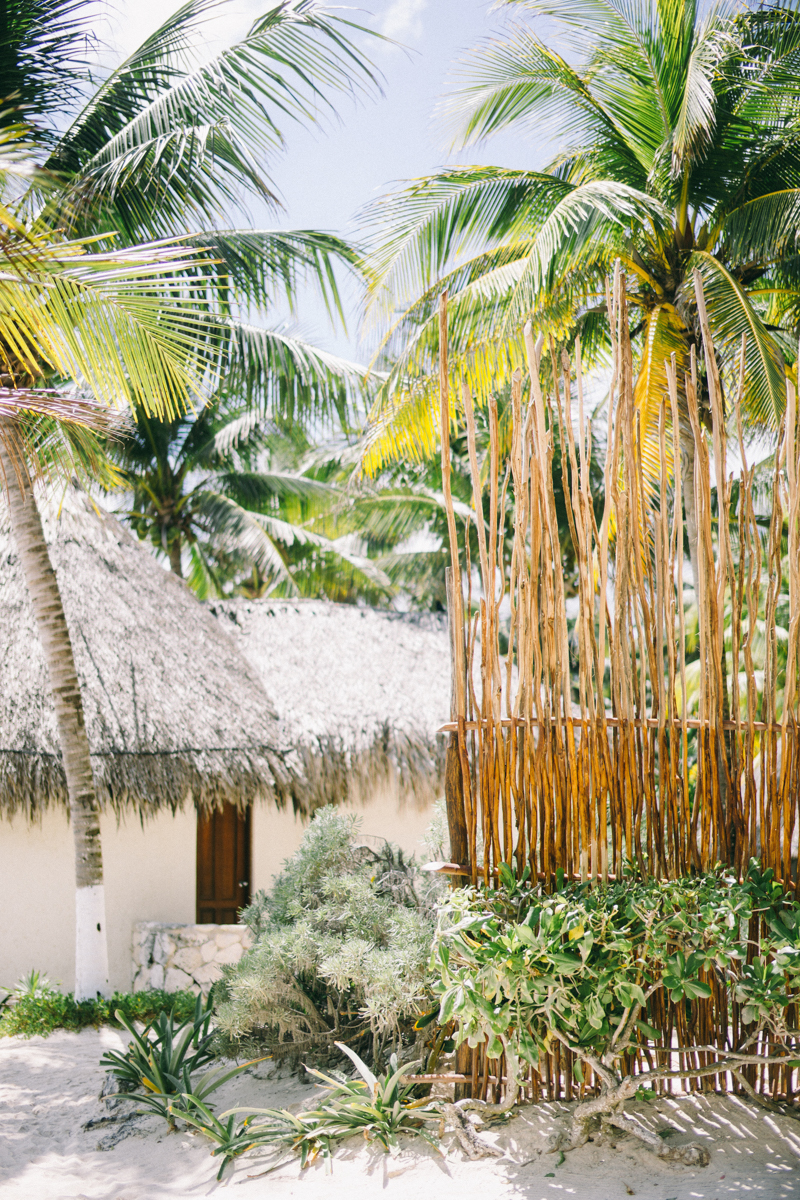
x=173 y=711
x=360 y=692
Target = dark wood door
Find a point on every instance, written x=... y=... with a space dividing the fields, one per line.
x=223 y=865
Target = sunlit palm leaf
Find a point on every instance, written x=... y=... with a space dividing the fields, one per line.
x=116 y=322
x=155 y=128
x=730 y=314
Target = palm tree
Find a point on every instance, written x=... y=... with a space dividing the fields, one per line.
x=162 y=144
x=117 y=327
x=236 y=499
x=680 y=156
x=172 y=145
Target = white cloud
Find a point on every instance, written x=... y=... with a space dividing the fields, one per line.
x=403 y=20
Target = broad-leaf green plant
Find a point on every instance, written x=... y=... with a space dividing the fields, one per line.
x=522 y=970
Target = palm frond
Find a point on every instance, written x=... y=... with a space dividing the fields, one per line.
x=116 y=322
x=762 y=230
x=264 y=265
x=156 y=130
x=694 y=128
x=203 y=579
x=515 y=81
x=730 y=314
x=288 y=376
x=43 y=57
x=259 y=490
x=249 y=535
x=388 y=515
x=52 y=435
x=418 y=231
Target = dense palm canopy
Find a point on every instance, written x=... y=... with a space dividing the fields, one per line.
x=679 y=132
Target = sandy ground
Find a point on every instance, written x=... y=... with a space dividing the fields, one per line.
x=49 y=1089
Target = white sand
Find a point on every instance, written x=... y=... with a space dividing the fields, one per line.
x=49 y=1089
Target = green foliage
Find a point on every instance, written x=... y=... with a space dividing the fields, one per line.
x=378 y=1108
x=230 y=496
x=163 y=1059
x=670 y=155
x=342 y=944
x=391 y=512
x=591 y=967
x=36 y=1007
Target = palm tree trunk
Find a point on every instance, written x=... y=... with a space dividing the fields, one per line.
x=175 y=556
x=91 y=945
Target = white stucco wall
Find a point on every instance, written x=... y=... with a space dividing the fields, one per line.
x=276 y=834
x=149 y=876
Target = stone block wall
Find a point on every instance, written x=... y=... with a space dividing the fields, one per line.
x=184 y=957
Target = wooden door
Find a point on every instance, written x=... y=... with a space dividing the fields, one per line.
x=223 y=865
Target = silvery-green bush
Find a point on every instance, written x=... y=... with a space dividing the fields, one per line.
x=341 y=950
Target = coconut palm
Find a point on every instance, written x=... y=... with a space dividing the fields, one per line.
x=163 y=147
x=228 y=495
x=117 y=326
x=173 y=142
x=679 y=153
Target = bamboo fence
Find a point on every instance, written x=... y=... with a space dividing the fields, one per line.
x=575 y=751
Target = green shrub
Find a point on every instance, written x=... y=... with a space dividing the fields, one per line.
x=342 y=945
x=36 y=1007
x=601 y=970
x=584 y=964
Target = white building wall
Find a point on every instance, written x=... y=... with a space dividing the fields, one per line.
x=276 y=833
x=149 y=876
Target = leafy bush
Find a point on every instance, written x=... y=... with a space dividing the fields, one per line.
x=342 y=946
x=594 y=967
x=36 y=1007
x=163 y=1059
x=378 y=1108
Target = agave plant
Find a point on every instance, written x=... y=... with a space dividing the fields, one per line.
x=163 y=1060
x=378 y=1108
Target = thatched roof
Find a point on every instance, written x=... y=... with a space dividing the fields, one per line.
x=360 y=692
x=173 y=711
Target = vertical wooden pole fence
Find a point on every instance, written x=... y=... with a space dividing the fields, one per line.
x=650 y=725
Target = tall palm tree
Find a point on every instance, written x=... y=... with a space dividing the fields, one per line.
x=679 y=152
x=224 y=493
x=163 y=144
x=116 y=326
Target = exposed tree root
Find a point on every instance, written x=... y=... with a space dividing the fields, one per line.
x=465 y=1131
x=466 y=1134
x=608 y=1108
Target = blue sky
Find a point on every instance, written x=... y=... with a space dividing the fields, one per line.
x=326 y=177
